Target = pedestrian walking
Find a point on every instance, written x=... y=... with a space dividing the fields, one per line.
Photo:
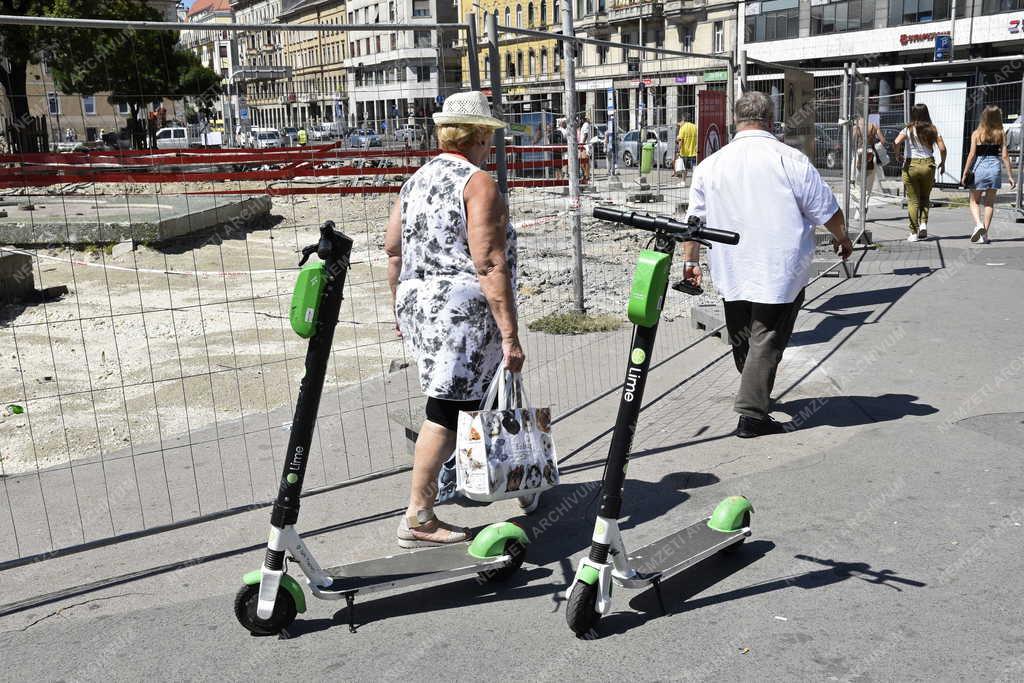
x=583 y=136
x=988 y=149
x=611 y=147
x=686 y=148
x=302 y=137
x=772 y=195
x=916 y=144
x=867 y=140
x=452 y=270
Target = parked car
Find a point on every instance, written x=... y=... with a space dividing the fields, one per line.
x=597 y=145
x=290 y=136
x=828 y=146
x=266 y=138
x=410 y=132
x=364 y=137
x=629 y=147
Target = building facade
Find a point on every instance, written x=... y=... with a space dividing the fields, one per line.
x=531 y=69
x=645 y=87
x=889 y=39
x=218 y=51
x=261 y=77
x=395 y=76
x=316 y=90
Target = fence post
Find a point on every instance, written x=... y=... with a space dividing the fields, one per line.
x=500 y=160
x=730 y=96
x=844 y=117
x=862 y=159
x=1020 y=155
x=743 y=71
x=569 y=74
x=473 y=52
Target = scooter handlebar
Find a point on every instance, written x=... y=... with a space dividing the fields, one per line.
x=693 y=229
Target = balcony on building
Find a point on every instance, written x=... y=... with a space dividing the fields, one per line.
x=262 y=73
x=687 y=11
x=633 y=10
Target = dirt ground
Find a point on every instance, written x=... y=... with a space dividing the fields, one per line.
x=151 y=344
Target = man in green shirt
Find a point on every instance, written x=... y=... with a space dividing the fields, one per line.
x=686 y=146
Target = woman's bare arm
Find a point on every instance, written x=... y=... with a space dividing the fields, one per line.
x=1006 y=162
x=942 y=154
x=393 y=246
x=486 y=219
x=970 y=158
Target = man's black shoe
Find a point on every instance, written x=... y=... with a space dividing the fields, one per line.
x=749 y=427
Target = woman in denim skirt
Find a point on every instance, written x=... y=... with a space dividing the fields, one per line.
x=987 y=157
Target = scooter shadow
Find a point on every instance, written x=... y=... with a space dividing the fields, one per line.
x=676 y=590
x=436 y=598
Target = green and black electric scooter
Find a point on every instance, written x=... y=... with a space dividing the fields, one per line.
x=589 y=595
x=270 y=598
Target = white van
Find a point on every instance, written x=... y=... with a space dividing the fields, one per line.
x=180 y=137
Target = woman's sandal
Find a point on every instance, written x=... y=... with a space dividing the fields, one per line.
x=427 y=531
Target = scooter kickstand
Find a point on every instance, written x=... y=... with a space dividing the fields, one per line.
x=656 y=584
x=350 y=603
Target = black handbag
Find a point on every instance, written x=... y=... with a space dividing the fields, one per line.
x=969 y=179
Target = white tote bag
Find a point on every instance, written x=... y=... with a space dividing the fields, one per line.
x=505 y=449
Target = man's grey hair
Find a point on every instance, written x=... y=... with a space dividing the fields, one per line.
x=754 y=107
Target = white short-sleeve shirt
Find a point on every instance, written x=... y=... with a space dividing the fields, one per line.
x=773 y=197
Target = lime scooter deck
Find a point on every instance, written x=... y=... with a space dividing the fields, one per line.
x=679 y=551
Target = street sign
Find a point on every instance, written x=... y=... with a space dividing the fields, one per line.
x=943 y=47
x=243 y=113
x=439 y=100
x=611 y=100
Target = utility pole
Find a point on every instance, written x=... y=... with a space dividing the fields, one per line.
x=572 y=147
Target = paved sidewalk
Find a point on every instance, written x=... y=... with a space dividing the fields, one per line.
x=885 y=538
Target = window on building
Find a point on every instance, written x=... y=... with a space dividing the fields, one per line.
x=403 y=75
x=917 y=11
x=718 y=41
x=378 y=43
x=394 y=41
x=686 y=38
x=351 y=18
x=53 y=103
x=89 y=105
x=659 y=37
x=836 y=17
x=421 y=38
x=508 y=16
x=602 y=54
x=775 y=20
x=557 y=20
x=556 y=59
x=544 y=61
x=543 y=12
x=997 y=6
x=533 y=63
x=123 y=109
x=423 y=74
x=530 y=18
x=519 y=63
x=421 y=8
x=510 y=67
x=519 y=16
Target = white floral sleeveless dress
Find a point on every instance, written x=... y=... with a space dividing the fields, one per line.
x=441 y=310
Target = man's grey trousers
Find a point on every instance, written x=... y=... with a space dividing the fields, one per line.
x=759 y=334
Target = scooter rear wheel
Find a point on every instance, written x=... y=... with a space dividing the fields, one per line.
x=728 y=550
x=245 y=611
x=581 y=611
x=518 y=552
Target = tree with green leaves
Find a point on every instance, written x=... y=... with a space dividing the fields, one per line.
x=136 y=67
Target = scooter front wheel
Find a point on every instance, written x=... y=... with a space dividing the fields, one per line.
x=581 y=611
x=245 y=611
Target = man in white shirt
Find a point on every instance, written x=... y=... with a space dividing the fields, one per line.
x=773 y=197
x=583 y=138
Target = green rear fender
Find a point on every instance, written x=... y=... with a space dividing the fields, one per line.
x=287 y=582
x=730 y=514
x=491 y=541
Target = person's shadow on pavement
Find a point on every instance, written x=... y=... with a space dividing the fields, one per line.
x=848 y=411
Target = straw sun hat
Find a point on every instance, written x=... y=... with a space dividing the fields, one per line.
x=468 y=108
